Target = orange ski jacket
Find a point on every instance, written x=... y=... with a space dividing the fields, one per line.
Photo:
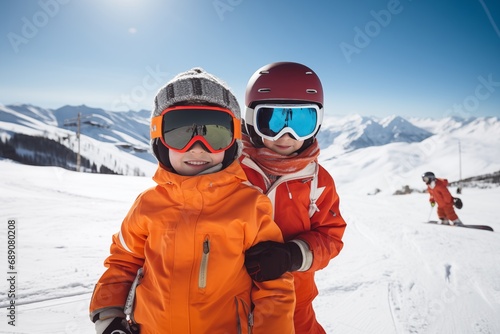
x=323 y=232
x=440 y=194
x=189 y=235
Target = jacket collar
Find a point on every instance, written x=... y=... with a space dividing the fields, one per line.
x=227 y=175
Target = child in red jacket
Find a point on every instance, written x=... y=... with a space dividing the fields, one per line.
x=284 y=113
x=439 y=193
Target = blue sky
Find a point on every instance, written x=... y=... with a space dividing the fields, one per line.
x=421 y=58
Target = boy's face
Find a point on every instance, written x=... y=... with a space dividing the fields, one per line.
x=194 y=161
x=285 y=145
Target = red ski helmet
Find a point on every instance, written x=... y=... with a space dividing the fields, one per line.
x=281 y=82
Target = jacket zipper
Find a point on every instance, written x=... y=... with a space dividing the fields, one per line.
x=249 y=314
x=250 y=322
x=202 y=279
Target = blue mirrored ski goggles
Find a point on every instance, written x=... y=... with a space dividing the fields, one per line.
x=271 y=121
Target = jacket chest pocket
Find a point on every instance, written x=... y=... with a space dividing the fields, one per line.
x=219 y=261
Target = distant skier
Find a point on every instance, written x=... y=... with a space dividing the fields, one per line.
x=439 y=193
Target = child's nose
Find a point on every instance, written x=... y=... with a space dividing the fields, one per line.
x=287 y=135
x=197 y=147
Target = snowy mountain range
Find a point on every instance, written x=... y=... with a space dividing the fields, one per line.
x=452 y=147
x=118 y=141
x=354 y=132
x=361 y=152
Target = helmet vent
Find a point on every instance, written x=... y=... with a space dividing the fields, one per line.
x=311 y=91
x=264 y=90
x=264 y=72
x=309 y=73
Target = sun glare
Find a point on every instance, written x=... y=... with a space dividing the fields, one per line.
x=124 y=3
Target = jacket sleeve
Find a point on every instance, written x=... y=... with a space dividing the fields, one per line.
x=274 y=300
x=125 y=259
x=431 y=195
x=327 y=225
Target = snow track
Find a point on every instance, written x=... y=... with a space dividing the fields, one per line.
x=407 y=277
x=63 y=315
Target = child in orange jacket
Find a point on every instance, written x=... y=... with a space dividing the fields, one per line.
x=284 y=112
x=439 y=193
x=177 y=263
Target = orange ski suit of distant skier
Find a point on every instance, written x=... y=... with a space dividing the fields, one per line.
x=323 y=232
x=442 y=196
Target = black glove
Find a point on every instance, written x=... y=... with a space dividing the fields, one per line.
x=269 y=260
x=112 y=326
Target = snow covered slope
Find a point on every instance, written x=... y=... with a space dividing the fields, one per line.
x=395 y=274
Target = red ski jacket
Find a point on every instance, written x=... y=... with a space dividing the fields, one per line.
x=440 y=194
x=322 y=231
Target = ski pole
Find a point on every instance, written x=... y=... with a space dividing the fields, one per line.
x=430 y=213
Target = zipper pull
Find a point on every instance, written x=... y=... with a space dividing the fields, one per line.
x=250 y=321
x=202 y=278
x=288 y=189
x=206 y=246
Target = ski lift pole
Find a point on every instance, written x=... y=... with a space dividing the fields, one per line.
x=459 y=161
x=78 y=158
x=459 y=188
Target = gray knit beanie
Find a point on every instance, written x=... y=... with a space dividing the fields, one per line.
x=196 y=87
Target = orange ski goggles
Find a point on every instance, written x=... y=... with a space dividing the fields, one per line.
x=180 y=127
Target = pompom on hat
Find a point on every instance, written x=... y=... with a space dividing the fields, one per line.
x=195 y=87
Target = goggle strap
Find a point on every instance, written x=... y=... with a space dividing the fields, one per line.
x=156 y=124
x=237 y=128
